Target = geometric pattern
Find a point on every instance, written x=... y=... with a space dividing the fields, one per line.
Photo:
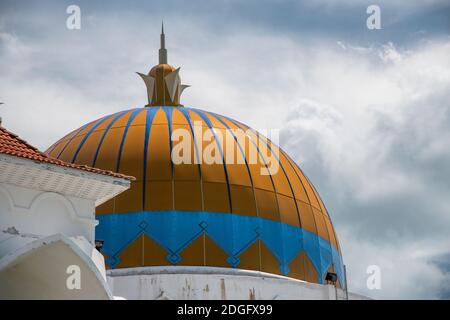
x=175 y=231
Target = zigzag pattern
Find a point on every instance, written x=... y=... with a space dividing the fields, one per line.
x=176 y=230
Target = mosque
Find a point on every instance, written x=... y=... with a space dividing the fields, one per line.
x=110 y=198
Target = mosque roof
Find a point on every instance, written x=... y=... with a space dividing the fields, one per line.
x=253 y=209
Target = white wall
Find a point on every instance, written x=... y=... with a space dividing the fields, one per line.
x=39 y=270
x=205 y=283
x=33 y=212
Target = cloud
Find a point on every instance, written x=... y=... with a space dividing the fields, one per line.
x=377 y=145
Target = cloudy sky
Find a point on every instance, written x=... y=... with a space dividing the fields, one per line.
x=366 y=113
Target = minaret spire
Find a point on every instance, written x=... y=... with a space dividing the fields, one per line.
x=162 y=50
x=163 y=82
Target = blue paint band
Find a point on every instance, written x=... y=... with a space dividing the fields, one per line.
x=175 y=230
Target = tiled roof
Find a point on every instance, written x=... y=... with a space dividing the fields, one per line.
x=12 y=145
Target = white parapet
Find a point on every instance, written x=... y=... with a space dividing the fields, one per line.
x=211 y=283
x=54 y=267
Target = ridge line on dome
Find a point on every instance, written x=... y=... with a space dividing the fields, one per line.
x=185 y=113
x=317 y=195
x=242 y=153
x=71 y=138
x=292 y=164
x=208 y=122
x=287 y=179
x=323 y=213
x=86 y=136
x=219 y=117
x=72 y=134
x=265 y=164
x=115 y=117
x=168 y=114
x=264 y=161
x=124 y=135
x=150 y=115
x=285 y=174
x=258 y=135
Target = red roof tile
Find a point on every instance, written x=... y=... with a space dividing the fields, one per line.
x=12 y=145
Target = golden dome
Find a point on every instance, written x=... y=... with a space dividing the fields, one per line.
x=225 y=215
x=162 y=69
x=253 y=209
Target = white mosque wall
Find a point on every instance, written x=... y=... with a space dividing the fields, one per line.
x=42 y=234
x=44 y=269
x=34 y=213
x=209 y=283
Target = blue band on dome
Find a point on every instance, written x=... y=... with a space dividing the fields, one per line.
x=175 y=230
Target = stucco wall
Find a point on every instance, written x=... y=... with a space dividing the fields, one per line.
x=208 y=283
x=32 y=212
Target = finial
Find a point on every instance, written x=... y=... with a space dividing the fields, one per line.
x=163 y=82
x=162 y=50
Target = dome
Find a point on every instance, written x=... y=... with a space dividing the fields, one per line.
x=230 y=199
x=162 y=69
x=227 y=214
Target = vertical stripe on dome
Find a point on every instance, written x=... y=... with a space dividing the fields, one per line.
x=86 y=136
x=60 y=141
x=326 y=214
x=317 y=195
x=168 y=113
x=262 y=158
x=210 y=126
x=117 y=116
x=329 y=242
x=285 y=174
x=290 y=186
x=189 y=120
x=243 y=155
x=148 y=124
x=293 y=165
x=127 y=126
x=265 y=140
x=281 y=259
x=71 y=138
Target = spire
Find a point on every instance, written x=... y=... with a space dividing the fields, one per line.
x=162 y=50
x=163 y=82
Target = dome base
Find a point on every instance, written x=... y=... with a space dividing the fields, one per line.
x=212 y=283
